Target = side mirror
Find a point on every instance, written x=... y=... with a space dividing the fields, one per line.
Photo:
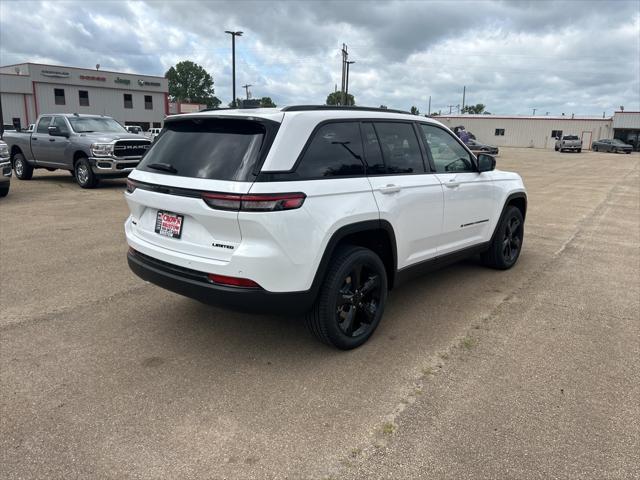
x=486 y=163
x=55 y=132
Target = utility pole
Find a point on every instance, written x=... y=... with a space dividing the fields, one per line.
x=346 y=89
x=233 y=61
x=534 y=111
x=464 y=91
x=450 y=108
x=246 y=89
x=345 y=55
x=429 y=109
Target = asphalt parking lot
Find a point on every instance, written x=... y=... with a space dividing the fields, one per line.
x=473 y=373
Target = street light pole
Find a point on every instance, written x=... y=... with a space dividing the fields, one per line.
x=233 y=61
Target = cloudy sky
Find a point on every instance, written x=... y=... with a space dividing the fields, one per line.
x=579 y=57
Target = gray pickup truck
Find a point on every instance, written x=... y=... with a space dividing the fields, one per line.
x=89 y=146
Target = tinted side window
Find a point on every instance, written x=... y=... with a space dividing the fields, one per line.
x=43 y=125
x=61 y=124
x=335 y=150
x=372 y=152
x=448 y=155
x=400 y=147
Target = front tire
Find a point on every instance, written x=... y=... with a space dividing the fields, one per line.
x=84 y=175
x=23 y=170
x=351 y=300
x=4 y=191
x=595 y=149
x=579 y=150
x=504 y=251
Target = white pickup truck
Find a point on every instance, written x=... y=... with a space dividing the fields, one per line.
x=569 y=142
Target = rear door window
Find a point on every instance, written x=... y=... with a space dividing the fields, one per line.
x=335 y=150
x=400 y=148
x=216 y=149
x=43 y=125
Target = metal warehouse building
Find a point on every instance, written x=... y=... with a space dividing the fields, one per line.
x=540 y=131
x=30 y=89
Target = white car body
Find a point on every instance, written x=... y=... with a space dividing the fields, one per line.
x=431 y=215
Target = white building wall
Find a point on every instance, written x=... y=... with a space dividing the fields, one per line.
x=102 y=101
x=106 y=92
x=532 y=132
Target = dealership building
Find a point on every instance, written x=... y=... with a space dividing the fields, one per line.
x=30 y=89
x=541 y=131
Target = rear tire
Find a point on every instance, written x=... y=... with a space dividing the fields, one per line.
x=504 y=251
x=595 y=149
x=84 y=175
x=351 y=300
x=579 y=150
x=23 y=170
x=4 y=191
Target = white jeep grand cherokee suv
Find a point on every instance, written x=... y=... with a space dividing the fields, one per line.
x=313 y=209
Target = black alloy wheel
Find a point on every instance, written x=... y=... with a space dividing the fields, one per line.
x=351 y=299
x=506 y=245
x=358 y=300
x=512 y=240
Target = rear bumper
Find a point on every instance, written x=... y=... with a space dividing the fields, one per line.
x=195 y=284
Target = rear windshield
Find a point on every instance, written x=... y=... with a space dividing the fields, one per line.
x=571 y=137
x=215 y=149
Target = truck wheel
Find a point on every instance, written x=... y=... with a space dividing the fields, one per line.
x=4 y=191
x=351 y=300
x=505 y=248
x=84 y=175
x=579 y=150
x=23 y=170
x=595 y=148
x=556 y=149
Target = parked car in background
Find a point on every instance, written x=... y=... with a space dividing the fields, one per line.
x=315 y=209
x=615 y=146
x=91 y=147
x=569 y=142
x=153 y=133
x=135 y=129
x=5 y=169
x=477 y=147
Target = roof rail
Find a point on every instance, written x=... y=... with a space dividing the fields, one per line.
x=304 y=108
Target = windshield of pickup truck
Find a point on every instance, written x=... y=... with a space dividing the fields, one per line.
x=95 y=124
x=571 y=137
x=216 y=149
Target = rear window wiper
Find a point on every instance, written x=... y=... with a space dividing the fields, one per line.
x=167 y=167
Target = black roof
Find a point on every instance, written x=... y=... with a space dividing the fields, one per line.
x=305 y=108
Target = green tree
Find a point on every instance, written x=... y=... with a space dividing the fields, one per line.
x=189 y=82
x=414 y=110
x=335 y=98
x=477 y=109
x=266 y=102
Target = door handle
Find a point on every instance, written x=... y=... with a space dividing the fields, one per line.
x=34 y=138
x=452 y=183
x=52 y=139
x=390 y=188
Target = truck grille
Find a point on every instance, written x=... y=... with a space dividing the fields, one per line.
x=131 y=148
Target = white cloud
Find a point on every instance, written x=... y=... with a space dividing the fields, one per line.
x=580 y=57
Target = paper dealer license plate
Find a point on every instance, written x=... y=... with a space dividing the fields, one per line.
x=169 y=224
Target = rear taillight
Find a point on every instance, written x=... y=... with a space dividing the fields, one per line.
x=267 y=202
x=232 y=281
x=131 y=185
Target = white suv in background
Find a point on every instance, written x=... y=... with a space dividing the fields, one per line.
x=312 y=209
